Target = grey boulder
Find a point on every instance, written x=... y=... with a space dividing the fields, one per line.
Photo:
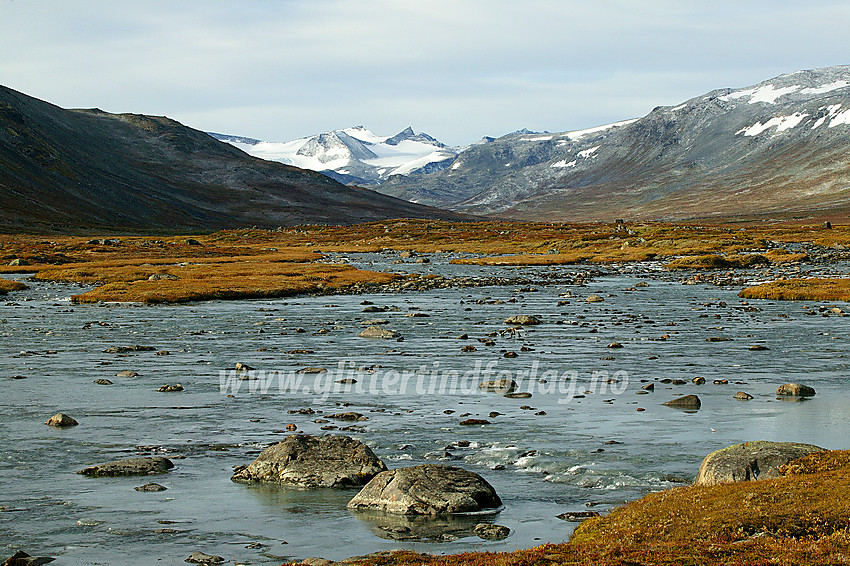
x=750 y=461
x=313 y=461
x=428 y=489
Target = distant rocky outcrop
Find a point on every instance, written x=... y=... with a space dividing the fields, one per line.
x=750 y=461
x=313 y=461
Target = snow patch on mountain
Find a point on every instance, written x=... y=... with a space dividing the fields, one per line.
x=767 y=93
x=781 y=123
x=578 y=134
x=825 y=88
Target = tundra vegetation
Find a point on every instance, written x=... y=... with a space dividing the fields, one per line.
x=238 y=264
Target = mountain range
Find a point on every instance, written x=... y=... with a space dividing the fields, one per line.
x=354 y=155
x=777 y=149
x=82 y=170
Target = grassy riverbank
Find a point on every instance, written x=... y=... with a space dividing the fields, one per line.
x=260 y=263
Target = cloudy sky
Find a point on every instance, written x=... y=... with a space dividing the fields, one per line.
x=461 y=69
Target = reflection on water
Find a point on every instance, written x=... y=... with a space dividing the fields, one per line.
x=420 y=527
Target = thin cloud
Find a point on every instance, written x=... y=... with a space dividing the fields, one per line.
x=456 y=69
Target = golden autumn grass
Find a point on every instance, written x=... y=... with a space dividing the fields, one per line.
x=126 y=266
x=7 y=286
x=802 y=518
x=800 y=290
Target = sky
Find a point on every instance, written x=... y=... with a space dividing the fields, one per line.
x=456 y=69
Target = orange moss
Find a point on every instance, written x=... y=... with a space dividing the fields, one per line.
x=243 y=280
x=7 y=286
x=800 y=290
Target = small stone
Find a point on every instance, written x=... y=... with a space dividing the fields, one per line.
x=291 y=427
x=61 y=420
x=698 y=380
x=758 y=348
x=350 y=416
x=126 y=373
x=518 y=395
x=503 y=385
x=151 y=487
x=594 y=299
x=474 y=422
x=577 y=516
x=742 y=396
x=170 y=388
x=201 y=558
x=691 y=402
x=510 y=354
x=649 y=387
x=102 y=382
x=489 y=531
x=378 y=332
x=615 y=345
x=523 y=320
x=468 y=348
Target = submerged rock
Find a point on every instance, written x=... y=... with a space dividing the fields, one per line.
x=130 y=467
x=688 y=402
x=313 y=461
x=428 y=489
x=750 y=461
x=378 y=332
x=523 y=320
x=201 y=558
x=489 y=531
x=151 y=487
x=61 y=420
x=503 y=386
x=577 y=516
x=21 y=558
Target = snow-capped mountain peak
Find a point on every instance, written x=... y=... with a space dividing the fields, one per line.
x=354 y=155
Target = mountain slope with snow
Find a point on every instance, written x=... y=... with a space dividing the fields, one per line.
x=778 y=148
x=354 y=155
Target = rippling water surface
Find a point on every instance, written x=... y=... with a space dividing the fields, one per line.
x=594 y=450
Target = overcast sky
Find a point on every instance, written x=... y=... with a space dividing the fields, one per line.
x=456 y=69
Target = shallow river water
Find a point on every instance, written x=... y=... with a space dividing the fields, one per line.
x=592 y=448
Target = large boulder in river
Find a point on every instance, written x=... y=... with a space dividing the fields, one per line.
x=750 y=461
x=313 y=461
x=795 y=390
x=130 y=467
x=428 y=489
